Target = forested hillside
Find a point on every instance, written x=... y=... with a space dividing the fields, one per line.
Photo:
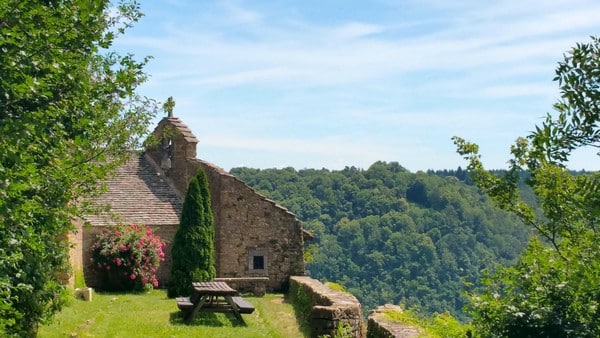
x=392 y=236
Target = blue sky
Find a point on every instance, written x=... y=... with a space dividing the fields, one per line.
x=329 y=84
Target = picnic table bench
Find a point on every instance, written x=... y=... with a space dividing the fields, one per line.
x=213 y=297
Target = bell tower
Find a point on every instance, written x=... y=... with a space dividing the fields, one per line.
x=174 y=143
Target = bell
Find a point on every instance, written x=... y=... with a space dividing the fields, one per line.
x=165 y=163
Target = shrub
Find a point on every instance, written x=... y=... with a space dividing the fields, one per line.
x=128 y=257
x=193 y=246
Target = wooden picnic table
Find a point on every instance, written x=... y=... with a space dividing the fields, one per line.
x=213 y=297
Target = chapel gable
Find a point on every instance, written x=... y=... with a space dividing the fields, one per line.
x=254 y=236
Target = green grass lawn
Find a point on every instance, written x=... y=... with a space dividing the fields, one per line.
x=154 y=315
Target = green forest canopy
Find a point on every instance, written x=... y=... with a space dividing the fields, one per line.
x=392 y=236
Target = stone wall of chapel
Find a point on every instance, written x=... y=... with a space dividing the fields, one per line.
x=244 y=220
x=75 y=238
x=246 y=223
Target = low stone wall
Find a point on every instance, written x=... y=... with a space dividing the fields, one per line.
x=381 y=327
x=329 y=313
x=254 y=285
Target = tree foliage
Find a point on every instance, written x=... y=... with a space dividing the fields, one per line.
x=554 y=290
x=67 y=106
x=192 y=253
x=391 y=236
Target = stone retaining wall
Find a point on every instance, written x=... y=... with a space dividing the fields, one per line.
x=329 y=313
x=381 y=327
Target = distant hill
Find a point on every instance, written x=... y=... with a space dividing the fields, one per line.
x=392 y=236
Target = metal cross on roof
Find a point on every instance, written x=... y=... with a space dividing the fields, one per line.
x=168 y=106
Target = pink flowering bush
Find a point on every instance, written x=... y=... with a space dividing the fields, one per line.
x=128 y=256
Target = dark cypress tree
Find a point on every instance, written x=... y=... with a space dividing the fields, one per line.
x=206 y=270
x=192 y=253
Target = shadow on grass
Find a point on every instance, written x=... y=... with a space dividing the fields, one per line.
x=302 y=317
x=206 y=319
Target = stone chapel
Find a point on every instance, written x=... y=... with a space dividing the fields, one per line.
x=254 y=236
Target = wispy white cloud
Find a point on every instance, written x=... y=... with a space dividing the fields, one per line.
x=353 y=30
x=517 y=90
x=239 y=14
x=178 y=3
x=463 y=67
x=342 y=61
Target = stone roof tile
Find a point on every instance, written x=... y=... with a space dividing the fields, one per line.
x=184 y=129
x=138 y=194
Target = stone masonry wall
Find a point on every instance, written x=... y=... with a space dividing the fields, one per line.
x=182 y=147
x=247 y=224
x=379 y=326
x=332 y=312
x=245 y=221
